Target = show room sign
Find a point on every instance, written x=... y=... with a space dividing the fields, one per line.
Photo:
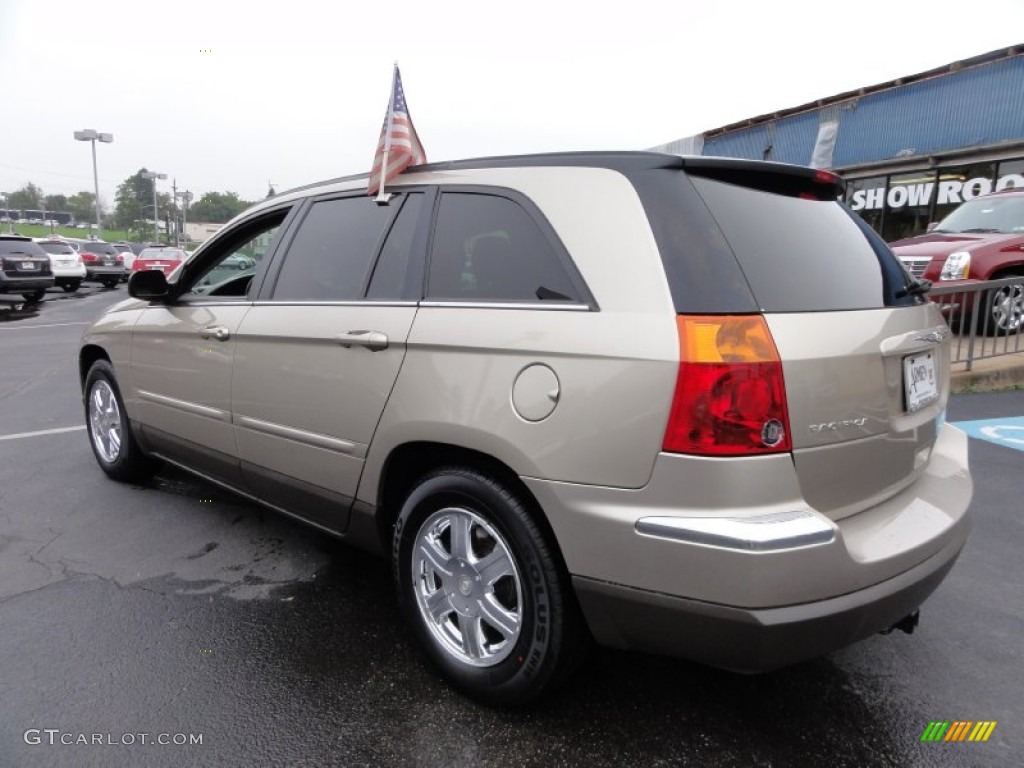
x=949 y=191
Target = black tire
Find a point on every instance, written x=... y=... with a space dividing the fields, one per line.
x=1002 y=310
x=547 y=644
x=34 y=296
x=108 y=284
x=71 y=287
x=126 y=461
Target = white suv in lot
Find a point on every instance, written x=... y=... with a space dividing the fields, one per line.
x=685 y=405
x=65 y=261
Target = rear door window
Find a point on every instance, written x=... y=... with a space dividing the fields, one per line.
x=488 y=248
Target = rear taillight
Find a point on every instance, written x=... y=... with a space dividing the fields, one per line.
x=730 y=398
x=88 y=256
x=120 y=259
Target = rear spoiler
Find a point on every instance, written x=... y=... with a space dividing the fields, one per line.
x=780 y=178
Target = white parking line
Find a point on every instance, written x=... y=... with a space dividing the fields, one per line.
x=42 y=432
x=49 y=325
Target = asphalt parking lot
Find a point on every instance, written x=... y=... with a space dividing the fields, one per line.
x=177 y=610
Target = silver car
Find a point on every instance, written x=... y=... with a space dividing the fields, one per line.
x=684 y=405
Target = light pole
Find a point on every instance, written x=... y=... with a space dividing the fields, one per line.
x=154 y=176
x=186 y=198
x=90 y=134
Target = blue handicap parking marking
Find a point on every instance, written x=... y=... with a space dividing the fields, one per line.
x=1008 y=432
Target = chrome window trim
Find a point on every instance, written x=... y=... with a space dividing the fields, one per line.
x=302 y=436
x=184 y=405
x=345 y=303
x=574 y=307
x=771 y=532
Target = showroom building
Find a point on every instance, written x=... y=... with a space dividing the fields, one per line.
x=911 y=149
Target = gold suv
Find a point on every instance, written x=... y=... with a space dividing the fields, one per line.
x=686 y=405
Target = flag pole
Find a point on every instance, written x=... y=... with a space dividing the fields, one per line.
x=381 y=197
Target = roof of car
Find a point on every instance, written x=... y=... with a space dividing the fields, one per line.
x=627 y=162
x=6 y=236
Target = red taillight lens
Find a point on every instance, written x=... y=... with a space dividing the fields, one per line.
x=120 y=259
x=730 y=397
x=88 y=256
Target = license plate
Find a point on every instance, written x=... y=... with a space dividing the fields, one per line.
x=29 y=266
x=919 y=382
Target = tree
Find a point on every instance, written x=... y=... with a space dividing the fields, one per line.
x=82 y=206
x=217 y=207
x=28 y=197
x=56 y=202
x=133 y=201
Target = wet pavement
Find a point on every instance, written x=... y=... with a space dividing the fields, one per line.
x=175 y=609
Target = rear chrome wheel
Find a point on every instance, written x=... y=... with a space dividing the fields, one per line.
x=483 y=587
x=467 y=587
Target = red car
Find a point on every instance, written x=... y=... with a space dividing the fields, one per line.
x=165 y=258
x=983 y=239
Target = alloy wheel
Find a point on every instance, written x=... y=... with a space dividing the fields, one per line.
x=105 y=421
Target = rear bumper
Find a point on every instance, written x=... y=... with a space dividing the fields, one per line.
x=20 y=284
x=725 y=562
x=103 y=273
x=754 y=640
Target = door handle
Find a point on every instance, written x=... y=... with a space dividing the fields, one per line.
x=218 y=332
x=374 y=341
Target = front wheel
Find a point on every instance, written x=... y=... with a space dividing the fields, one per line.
x=109 y=431
x=483 y=588
x=1005 y=309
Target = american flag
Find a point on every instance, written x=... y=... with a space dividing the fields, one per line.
x=398 y=140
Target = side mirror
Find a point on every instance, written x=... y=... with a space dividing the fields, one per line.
x=148 y=284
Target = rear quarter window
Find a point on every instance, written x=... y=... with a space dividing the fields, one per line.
x=801 y=255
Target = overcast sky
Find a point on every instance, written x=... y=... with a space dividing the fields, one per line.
x=226 y=95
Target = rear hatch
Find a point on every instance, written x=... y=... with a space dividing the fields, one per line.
x=864 y=357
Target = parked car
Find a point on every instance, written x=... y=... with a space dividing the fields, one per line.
x=165 y=258
x=103 y=262
x=65 y=262
x=127 y=258
x=24 y=267
x=685 y=405
x=983 y=239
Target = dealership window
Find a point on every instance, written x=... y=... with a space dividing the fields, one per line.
x=908 y=200
x=1010 y=175
x=960 y=183
x=867 y=198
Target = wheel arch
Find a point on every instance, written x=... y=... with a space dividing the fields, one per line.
x=408 y=462
x=88 y=355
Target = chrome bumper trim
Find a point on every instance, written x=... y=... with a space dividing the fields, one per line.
x=763 y=533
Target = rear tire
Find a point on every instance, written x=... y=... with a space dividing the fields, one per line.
x=71 y=287
x=34 y=296
x=108 y=284
x=483 y=589
x=110 y=434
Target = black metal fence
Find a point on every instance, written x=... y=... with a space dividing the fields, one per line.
x=987 y=317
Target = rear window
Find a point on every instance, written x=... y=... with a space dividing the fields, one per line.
x=59 y=249
x=801 y=255
x=167 y=254
x=105 y=249
x=20 y=248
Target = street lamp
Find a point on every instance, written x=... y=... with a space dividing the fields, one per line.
x=89 y=134
x=186 y=198
x=154 y=176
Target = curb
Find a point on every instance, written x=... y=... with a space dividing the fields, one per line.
x=997 y=374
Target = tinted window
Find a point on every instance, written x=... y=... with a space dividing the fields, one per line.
x=333 y=250
x=105 y=249
x=802 y=255
x=60 y=249
x=20 y=248
x=488 y=248
x=391 y=274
